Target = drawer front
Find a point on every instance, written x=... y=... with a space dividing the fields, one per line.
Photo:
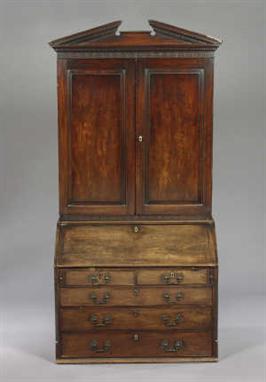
x=93 y=277
x=173 y=276
x=135 y=296
x=137 y=344
x=135 y=318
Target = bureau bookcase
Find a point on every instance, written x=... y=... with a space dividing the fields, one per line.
x=136 y=260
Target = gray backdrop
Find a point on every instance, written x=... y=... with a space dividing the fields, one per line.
x=29 y=187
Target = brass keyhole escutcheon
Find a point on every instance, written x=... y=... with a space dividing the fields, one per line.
x=136 y=229
x=135 y=313
x=136 y=291
x=135 y=337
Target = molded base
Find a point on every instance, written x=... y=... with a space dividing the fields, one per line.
x=133 y=360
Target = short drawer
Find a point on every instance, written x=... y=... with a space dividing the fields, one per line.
x=92 y=277
x=135 y=296
x=173 y=276
x=86 y=318
x=136 y=344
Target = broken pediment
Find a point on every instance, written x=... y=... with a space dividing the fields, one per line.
x=163 y=36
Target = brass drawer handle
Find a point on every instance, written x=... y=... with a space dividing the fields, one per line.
x=99 y=278
x=105 y=299
x=105 y=349
x=172 y=277
x=178 y=297
x=178 y=345
x=107 y=320
x=171 y=323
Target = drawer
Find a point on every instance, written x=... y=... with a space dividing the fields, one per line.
x=131 y=296
x=94 y=277
x=173 y=276
x=98 y=277
x=136 y=344
x=134 y=318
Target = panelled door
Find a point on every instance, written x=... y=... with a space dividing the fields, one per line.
x=121 y=158
x=174 y=116
x=97 y=136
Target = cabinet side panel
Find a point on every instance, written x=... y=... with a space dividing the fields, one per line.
x=62 y=132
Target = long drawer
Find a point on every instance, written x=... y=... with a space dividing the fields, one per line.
x=137 y=344
x=135 y=296
x=90 y=318
x=168 y=276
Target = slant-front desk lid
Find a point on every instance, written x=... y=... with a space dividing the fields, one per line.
x=127 y=245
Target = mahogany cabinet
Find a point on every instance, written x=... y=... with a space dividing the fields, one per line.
x=136 y=261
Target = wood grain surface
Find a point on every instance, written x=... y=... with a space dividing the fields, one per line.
x=124 y=344
x=142 y=318
x=153 y=245
x=135 y=296
x=136 y=276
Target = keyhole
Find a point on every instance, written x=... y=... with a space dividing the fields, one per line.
x=136 y=337
x=136 y=291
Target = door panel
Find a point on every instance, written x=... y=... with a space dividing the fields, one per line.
x=172 y=158
x=173 y=173
x=97 y=138
x=100 y=135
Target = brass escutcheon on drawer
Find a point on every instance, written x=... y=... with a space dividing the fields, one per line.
x=178 y=297
x=105 y=349
x=136 y=337
x=104 y=321
x=99 y=278
x=177 y=345
x=136 y=228
x=172 y=277
x=105 y=299
x=171 y=323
